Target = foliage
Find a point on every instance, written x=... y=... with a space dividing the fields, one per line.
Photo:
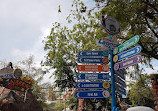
x=137 y=17
x=140 y=93
x=29 y=68
x=64 y=42
x=3 y=64
x=59 y=106
x=48 y=106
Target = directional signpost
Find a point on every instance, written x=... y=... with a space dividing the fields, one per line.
x=92 y=85
x=126 y=44
x=128 y=53
x=92 y=94
x=93 y=68
x=93 y=76
x=112 y=27
x=128 y=62
x=122 y=60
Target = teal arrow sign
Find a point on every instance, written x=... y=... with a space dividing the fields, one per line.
x=126 y=44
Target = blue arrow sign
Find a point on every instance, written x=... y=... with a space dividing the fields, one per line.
x=92 y=94
x=93 y=76
x=92 y=85
x=128 y=53
x=93 y=60
x=107 y=43
x=93 y=53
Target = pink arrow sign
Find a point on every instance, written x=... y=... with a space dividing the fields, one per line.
x=128 y=62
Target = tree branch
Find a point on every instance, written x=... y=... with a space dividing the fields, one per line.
x=151 y=5
x=149 y=53
x=150 y=27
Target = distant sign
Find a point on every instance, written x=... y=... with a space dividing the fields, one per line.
x=92 y=94
x=126 y=44
x=7 y=76
x=110 y=24
x=128 y=62
x=93 y=68
x=92 y=85
x=128 y=53
x=93 y=76
x=15 y=84
x=93 y=53
x=93 y=60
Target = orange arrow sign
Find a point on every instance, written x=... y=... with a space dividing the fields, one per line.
x=93 y=68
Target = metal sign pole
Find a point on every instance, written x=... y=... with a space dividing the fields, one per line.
x=112 y=79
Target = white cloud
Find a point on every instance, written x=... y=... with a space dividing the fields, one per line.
x=37 y=50
x=24 y=23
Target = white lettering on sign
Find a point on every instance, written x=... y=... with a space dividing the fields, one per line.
x=108 y=40
x=92 y=53
x=90 y=85
x=92 y=94
x=92 y=68
x=92 y=60
x=91 y=76
x=129 y=53
x=126 y=45
x=129 y=62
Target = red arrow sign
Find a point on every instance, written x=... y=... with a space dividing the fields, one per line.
x=93 y=68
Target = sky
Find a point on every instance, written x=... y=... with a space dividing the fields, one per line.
x=25 y=23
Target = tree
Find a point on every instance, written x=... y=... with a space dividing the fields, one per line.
x=72 y=102
x=137 y=17
x=140 y=93
x=64 y=42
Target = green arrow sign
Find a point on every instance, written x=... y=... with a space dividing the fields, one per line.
x=126 y=44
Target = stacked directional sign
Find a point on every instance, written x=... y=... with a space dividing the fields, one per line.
x=120 y=81
x=124 y=60
x=95 y=61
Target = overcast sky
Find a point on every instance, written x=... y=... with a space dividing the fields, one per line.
x=24 y=24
